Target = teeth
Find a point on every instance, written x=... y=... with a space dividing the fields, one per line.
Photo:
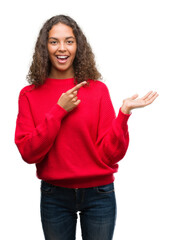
x=62 y=57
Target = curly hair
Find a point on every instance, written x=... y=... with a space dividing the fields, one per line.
x=84 y=63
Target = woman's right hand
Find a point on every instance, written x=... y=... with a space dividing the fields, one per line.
x=68 y=100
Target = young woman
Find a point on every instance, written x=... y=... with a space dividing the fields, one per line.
x=67 y=126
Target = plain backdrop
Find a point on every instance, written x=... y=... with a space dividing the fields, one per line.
x=133 y=45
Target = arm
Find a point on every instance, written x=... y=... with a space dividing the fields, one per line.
x=113 y=137
x=34 y=142
x=113 y=142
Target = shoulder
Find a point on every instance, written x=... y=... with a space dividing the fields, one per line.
x=101 y=90
x=98 y=85
x=26 y=89
x=30 y=91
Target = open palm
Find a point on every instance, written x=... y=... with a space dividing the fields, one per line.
x=135 y=102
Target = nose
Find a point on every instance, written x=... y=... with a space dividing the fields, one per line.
x=62 y=47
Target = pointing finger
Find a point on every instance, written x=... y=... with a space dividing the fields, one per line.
x=77 y=87
x=75 y=93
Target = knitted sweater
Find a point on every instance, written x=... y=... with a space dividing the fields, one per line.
x=76 y=149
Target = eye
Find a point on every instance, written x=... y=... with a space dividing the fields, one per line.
x=70 y=42
x=53 y=42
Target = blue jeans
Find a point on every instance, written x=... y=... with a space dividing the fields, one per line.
x=59 y=207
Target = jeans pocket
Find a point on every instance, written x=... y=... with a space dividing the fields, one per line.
x=105 y=188
x=46 y=187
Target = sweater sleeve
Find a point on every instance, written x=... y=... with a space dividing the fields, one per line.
x=34 y=142
x=113 y=137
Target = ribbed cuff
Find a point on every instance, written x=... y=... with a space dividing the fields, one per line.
x=122 y=118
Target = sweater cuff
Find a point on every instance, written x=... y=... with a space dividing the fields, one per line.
x=122 y=118
x=57 y=112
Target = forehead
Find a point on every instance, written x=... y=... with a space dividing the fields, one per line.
x=61 y=30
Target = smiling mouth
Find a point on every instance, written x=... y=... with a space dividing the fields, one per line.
x=62 y=59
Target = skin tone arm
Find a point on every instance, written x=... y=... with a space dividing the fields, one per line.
x=69 y=101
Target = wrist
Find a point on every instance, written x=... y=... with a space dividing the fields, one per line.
x=125 y=109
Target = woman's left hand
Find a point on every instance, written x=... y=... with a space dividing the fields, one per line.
x=134 y=102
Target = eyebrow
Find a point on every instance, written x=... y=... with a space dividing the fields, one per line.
x=65 y=38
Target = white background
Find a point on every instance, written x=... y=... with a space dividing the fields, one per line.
x=133 y=45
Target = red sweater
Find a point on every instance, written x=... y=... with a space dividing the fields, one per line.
x=76 y=149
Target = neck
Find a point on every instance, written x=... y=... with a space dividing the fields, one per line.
x=61 y=74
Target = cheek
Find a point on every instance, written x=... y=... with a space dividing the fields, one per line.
x=74 y=51
x=50 y=49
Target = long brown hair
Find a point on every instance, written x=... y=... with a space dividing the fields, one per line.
x=84 y=62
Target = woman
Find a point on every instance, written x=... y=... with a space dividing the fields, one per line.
x=67 y=126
